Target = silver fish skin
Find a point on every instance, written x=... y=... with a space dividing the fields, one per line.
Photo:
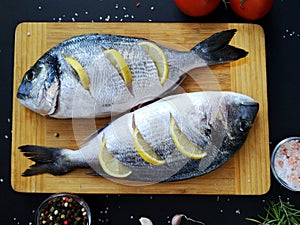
x=217 y=122
x=52 y=87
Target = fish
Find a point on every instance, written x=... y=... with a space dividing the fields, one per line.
x=97 y=75
x=188 y=135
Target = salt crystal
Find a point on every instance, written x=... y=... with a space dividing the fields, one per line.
x=28 y=34
x=124 y=8
x=6 y=136
x=288 y=155
x=116 y=6
x=1 y=180
x=237 y=211
x=152 y=8
x=8 y=120
x=76 y=14
x=39 y=7
x=73 y=19
x=86 y=12
x=131 y=217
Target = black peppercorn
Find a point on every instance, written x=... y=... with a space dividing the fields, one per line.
x=63 y=210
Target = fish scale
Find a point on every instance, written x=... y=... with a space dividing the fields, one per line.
x=107 y=92
x=231 y=116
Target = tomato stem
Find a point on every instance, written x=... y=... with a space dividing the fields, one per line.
x=242 y=2
x=225 y=3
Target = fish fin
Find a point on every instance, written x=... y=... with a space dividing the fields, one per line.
x=46 y=160
x=215 y=49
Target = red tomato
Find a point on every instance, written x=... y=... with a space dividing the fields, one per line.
x=251 y=9
x=197 y=7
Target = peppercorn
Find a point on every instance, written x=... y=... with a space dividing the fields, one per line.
x=63 y=210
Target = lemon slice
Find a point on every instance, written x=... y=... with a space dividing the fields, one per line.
x=84 y=78
x=183 y=144
x=117 y=60
x=111 y=165
x=159 y=58
x=144 y=149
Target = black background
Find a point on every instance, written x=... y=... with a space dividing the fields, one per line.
x=282 y=30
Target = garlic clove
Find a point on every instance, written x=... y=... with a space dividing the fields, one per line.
x=145 y=221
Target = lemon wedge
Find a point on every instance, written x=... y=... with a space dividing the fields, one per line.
x=159 y=58
x=143 y=148
x=111 y=165
x=117 y=60
x=84 y=78
x=183 y=144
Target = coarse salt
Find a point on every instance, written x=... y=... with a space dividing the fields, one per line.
x=286 y=164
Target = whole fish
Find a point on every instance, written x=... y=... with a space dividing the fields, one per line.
x=77 y=79
x=214 y=124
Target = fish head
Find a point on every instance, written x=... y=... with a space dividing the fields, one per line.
x=39 y=88
x=241 y=111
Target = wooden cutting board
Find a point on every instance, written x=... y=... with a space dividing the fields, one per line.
x=247 y=173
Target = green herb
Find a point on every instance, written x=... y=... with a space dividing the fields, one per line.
x=281 y=213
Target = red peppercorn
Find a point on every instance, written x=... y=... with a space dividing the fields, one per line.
x=66 y=222
x=67 y=199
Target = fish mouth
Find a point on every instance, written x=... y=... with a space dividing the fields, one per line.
x=250 y=103
x=21 y=96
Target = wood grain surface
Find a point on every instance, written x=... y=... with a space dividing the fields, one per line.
x=247 y=173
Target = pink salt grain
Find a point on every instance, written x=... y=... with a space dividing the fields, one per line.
x=287 y=164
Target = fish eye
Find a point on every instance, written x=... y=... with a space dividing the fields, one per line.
x=30 y=75
x=244 y=125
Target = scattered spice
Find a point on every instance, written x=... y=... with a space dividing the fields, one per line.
x=63 y=209
x=137 y=4
x=56 y=134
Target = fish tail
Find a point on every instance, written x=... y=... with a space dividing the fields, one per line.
x=47 y=160
x=216 y=48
